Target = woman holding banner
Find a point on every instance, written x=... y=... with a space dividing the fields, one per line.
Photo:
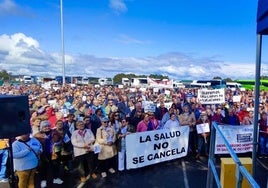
x=146 y=124
x=172 y=122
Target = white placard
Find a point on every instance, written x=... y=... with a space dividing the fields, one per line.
x=167 y=92
x=155 y=90
x=148 y=106
x=236 y=98
x=211 y=96
x=202 y=128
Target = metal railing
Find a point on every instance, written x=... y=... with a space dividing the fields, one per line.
x=241 y=171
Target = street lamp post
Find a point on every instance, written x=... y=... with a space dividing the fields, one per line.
x=62 y=43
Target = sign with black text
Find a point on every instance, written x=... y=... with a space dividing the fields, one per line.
x=211 y=96
x=151 y=147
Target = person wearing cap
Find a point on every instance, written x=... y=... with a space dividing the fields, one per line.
x=202 y=137
x=42 y=136
x=106 y=137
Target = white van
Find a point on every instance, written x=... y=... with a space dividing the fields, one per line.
x=234 y=86
x=27 y=80
x=125 y=82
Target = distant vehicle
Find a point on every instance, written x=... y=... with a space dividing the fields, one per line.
x=85 y=80
x=218 y=83
x=177 y=84
x=142 y=82
x=59 y=79
x=234 y=86
x=28 y=80
x=105 y=81
x=81 y=80
x=200 y=84
x=215 y=83
x=125 y=82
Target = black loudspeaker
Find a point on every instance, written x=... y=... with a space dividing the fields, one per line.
x=14 y=116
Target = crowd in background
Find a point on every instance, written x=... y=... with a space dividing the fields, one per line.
x=86 y=126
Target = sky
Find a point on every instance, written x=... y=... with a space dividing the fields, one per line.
x=182 y=39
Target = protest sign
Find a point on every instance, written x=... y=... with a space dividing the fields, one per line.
x=236 y=98
x=151 y=147
x=202 y=128
x=149 y=106
x=213 y=96
x=239 y=137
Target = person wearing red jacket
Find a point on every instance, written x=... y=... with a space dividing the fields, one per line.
x=242 y=113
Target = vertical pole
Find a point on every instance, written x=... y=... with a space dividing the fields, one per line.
x=12 y=180
x=256 y=103
x=211 y=156
x=62 y=43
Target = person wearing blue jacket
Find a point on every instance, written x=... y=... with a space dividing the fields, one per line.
x=25 y=157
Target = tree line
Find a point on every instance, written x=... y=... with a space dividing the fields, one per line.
x=6 y=76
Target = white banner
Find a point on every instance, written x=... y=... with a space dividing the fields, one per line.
x=152 y=147
x=239 y=137
x=211 y=96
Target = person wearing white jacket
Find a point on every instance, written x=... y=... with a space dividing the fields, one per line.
x=83 y=140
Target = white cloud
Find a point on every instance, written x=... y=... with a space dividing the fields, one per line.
x=118 y=6
x=21 y=54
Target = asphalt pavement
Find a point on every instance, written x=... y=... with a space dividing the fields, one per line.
x=185 y=172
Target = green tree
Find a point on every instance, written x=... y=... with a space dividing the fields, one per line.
x=217 y=77
x=4 y=75
x=157 y=76
x=228 y=79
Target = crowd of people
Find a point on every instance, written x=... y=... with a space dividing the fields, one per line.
x=84 y=127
